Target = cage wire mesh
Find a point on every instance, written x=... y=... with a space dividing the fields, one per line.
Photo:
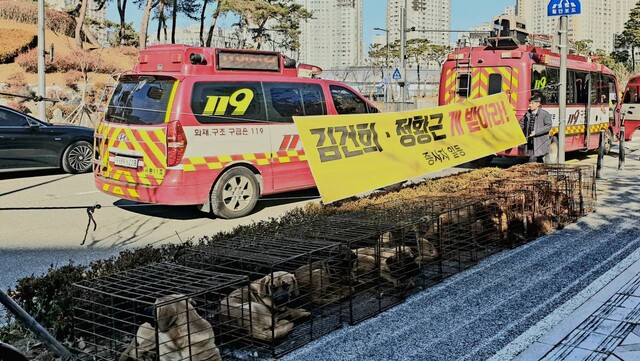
x=371 y=259
x=295 y=288
x=576 y=185
x=157 y=312
x=378 y=270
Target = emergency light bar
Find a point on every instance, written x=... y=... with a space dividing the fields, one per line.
x=240 y=60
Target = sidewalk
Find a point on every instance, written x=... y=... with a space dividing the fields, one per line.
x=605 y=325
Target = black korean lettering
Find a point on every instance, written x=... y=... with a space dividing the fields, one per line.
x=435 y=125
x=320 y=132
x=403 y=129
x=198 y=132
x=443 y=154
x=460 y=150
x=429 y=158
x=350 y=135
x=368 y=137
x=419 y=126
x=330 y=153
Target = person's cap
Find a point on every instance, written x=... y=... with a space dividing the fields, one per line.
x=535 y=98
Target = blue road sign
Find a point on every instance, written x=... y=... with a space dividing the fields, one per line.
x=563 y=7
x=396 y=74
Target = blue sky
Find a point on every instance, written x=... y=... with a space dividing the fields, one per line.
x=464 y=14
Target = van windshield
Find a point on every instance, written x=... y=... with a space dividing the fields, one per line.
x=140 y=100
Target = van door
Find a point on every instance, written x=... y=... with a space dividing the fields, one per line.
x=284 y=101
x=631 y=107
x=131 y=143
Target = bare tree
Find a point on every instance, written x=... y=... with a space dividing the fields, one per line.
x=144 y=25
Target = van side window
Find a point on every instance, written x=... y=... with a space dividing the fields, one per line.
x=631 y=96
x=346 y=102
x=464 y=85
x=228 y=102
x=286 y=100
x=495 y=84
x=581 y=87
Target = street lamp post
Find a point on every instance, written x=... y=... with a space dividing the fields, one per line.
x=386 y=93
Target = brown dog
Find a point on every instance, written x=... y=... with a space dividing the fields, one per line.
x=182 y=334
x=397 y=264
x=328 y=281
x=261 y=308
x=423 y=250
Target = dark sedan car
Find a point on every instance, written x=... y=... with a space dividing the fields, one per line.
x=28 y=143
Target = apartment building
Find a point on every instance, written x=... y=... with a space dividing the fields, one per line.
x=423 y=15
x=333 y=38
x=599 y=21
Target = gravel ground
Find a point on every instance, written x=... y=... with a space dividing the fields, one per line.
x=476 y=313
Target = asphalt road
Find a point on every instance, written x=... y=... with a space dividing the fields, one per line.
x=32 y=238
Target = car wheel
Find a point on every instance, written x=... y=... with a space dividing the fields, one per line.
x=235 y=194
x=552 y=156
x=78 y=157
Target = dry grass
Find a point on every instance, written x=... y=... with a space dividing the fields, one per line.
x=63 y=45
x=16 y=41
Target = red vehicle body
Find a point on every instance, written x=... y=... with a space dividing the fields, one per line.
x=521 y=71
x=631 y=107
x=212 y=127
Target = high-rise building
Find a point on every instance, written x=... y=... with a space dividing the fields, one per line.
x=599 y=20
x=333 y=37
x=92 y=13
x=423 y=15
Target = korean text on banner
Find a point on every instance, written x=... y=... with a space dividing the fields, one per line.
x=353 y=154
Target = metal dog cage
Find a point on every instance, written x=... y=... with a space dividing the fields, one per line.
x=161 y=311
x=286 y=274
x=575 y=184
x=379 y=273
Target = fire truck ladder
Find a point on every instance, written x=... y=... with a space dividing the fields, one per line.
x=463 y=67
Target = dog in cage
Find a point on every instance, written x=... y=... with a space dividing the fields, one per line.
x=397 y=264
x=423 y=250
x=328 y=282
x=261 y=309
x=182 y=334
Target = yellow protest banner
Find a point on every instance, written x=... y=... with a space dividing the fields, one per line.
x=353 y=154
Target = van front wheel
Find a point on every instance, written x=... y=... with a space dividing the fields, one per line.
x=235 y=194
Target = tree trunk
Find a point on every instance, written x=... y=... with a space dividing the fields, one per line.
x=419 y=88
x=160 y=19
x=202 y=18
x=633 y=58
x=79 y=23
x=122 y=8
x=89 y=35
x=174 y=17
x=144 y=25
x=212 y=27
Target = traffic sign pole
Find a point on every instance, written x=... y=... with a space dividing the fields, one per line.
x=562 y=97
x=563 y=8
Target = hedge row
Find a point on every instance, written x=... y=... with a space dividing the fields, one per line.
x=16 y=41
x=27 y=12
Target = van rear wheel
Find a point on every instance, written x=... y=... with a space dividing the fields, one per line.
x=235 y=194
